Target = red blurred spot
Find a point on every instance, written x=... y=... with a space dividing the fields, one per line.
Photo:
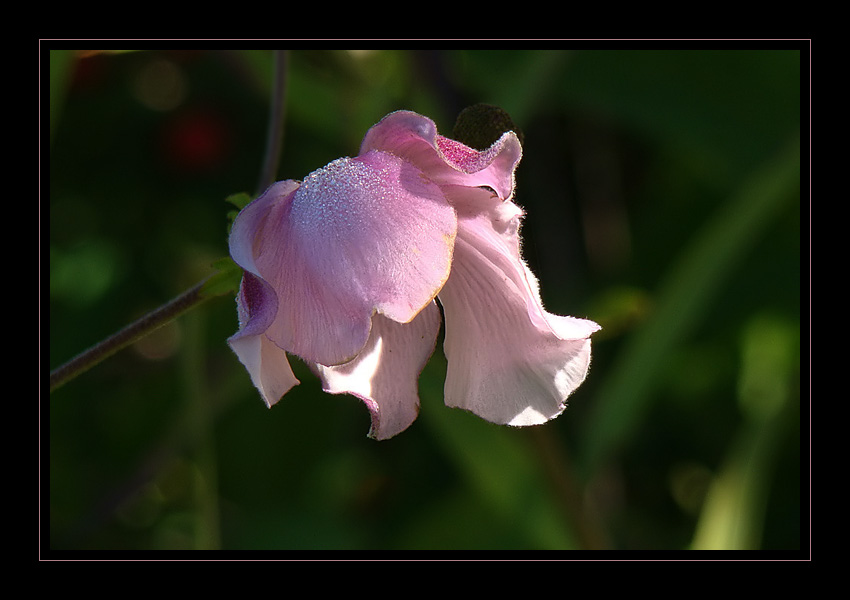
x=196 y=139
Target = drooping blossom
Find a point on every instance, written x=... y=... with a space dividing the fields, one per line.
x=345 y=269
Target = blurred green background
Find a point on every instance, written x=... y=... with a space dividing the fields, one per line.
x=662 y=188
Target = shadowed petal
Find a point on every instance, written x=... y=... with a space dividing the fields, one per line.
x=386 y=372
x=266 y=363
x=249 y=223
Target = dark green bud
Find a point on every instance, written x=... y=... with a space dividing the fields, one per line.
x=479 y=125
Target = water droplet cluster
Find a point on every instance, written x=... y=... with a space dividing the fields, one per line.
x=341 y=195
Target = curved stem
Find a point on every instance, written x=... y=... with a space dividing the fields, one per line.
x=277 y=112
x=130 y=334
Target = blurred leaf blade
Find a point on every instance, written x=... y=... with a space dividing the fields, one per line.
x=683 y=297
x=733 y=515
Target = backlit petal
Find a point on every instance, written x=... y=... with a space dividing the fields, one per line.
x=385 y=374
x=509 y=361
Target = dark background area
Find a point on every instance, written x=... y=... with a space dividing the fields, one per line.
x=663 y=197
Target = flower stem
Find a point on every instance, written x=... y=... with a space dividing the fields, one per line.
x=277 y=113
x=130 y=334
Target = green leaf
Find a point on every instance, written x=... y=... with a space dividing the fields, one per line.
x=239 y=200
x=225 y=280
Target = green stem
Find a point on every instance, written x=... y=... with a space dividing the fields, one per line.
x=129 y=335
x=277 y=113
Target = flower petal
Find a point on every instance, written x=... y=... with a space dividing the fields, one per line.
x=509 y=361
x=361 y=235
x=493 y=167
x=248 y=224
x=266 y=363
x=447 y=162
x=385 y=373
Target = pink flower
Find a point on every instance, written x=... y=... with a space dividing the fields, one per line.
x=344 y=270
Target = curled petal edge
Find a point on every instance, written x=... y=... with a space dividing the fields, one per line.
x=266 y=363
x=447 y=162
